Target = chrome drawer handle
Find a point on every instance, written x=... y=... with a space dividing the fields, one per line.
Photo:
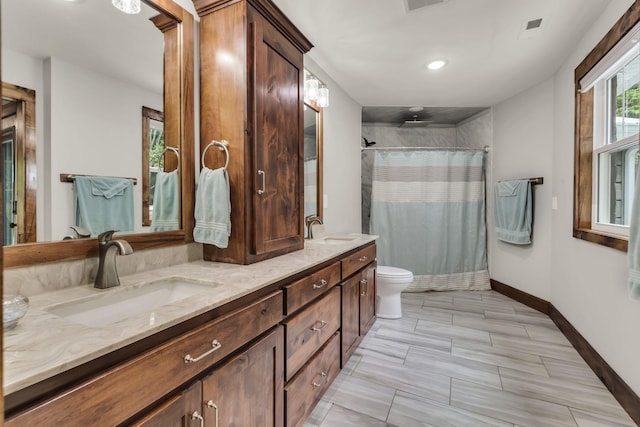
x=322 y=284
x=263 y=189
x=215 y=345
x=323 y=324
x=197 y=416
x=213 y=406
x=363 y=259
x=366 y=283
x=323 y=378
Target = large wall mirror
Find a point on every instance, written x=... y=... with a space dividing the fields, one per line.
x=312 y=160
x=91 y=69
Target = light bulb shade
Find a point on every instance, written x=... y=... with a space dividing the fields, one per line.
x=127 y=6
x=323 y=96
x=311 y=86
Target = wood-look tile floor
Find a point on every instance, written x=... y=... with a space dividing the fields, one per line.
x=466 y=359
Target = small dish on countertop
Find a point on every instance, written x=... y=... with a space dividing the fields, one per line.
x=14 y=307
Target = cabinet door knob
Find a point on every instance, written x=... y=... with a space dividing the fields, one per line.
x=264 y=183
x=213 y=406
x=323 y=324
x=215 y=345
x=196 y=416
x=322 y=284
x=323 y=378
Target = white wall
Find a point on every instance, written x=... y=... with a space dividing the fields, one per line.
x=534 y=135
x=341 y=133
x=523 y=148
x=95 y=129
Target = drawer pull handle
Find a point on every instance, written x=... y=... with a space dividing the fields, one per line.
x=213 y=406
x=363 y=259
x=215 y=345
x=323 y=324
x=323 y=378
x=197 y=416
x=364 y=282
x=322 y=284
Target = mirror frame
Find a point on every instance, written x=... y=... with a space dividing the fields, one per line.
x=320 y=166
x=179 y=105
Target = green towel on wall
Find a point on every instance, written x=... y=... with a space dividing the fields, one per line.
x=213 y=208
x=166 y=202
x=512 y=211
x=103 y=203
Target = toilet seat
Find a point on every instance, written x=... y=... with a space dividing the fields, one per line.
x=394 y=273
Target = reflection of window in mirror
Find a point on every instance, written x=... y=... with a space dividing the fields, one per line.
x=19 y=164
x=312 y=160
x=152 y=157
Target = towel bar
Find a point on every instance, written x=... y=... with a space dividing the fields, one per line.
x=70 y=177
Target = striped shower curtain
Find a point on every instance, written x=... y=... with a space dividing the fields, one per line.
x=428 y=207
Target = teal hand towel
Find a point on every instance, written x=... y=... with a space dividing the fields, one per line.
x=103 y=203
x=633 y=251
x=166 y=198
x=213 y=208
x=512 y=211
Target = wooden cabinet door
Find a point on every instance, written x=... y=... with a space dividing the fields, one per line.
x=276 y=88
x=350 y=317
x=367 y=299
x=248 y=390
x=183 y=410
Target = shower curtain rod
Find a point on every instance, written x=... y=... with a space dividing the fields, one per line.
x=485 y=148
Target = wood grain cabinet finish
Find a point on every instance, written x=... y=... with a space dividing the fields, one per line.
x=367 y=299
x=308 y=330
x=350 y=316
x=252 y=96
x=247 y=391
x=358 y=260
x=108 y=398
x=306 y=389
x=182 y=410
x=305 y=290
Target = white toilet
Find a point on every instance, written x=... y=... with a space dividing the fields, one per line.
x=390 y=281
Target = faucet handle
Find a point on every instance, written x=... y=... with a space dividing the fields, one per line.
x=106 y=236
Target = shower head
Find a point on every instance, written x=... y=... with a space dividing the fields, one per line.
x=415 y=122
x=367 y=143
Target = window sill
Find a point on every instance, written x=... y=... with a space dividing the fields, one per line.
x=614 y=241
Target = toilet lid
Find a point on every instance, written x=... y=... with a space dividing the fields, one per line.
x=395 y=272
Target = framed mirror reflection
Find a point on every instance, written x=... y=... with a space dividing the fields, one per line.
x=89 y=93
x=312 y=160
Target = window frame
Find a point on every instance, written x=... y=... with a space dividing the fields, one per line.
x=583 y=195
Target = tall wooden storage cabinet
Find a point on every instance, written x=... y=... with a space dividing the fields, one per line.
x=251 y=94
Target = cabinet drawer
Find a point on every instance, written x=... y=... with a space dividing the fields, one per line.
x=306 y=389
x=305 y=290
x=356 y=261
x=112 y=397
x=307 y=331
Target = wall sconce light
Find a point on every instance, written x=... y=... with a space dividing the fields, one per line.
x=315 y=90
x=127 y=6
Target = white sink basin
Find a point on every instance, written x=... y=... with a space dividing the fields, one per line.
x=120 y=303
x=333 y=240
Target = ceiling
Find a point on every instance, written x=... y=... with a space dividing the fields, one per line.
x=376 y=50
x=90 y=33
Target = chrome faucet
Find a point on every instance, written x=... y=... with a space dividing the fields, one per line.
x=309 y=221
x=107 y=276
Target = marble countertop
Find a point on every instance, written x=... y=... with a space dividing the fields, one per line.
x=44 y=344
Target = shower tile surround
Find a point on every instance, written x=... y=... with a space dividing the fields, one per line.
x=43 y=345
x=475 y=132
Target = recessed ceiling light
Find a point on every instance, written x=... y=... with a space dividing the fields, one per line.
x=74 y=1
x=416 y=109
x=437 y=64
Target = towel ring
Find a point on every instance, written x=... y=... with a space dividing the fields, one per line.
x=223 y=147
x=173 y=149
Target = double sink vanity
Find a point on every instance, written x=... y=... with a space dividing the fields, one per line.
x=259 y=343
